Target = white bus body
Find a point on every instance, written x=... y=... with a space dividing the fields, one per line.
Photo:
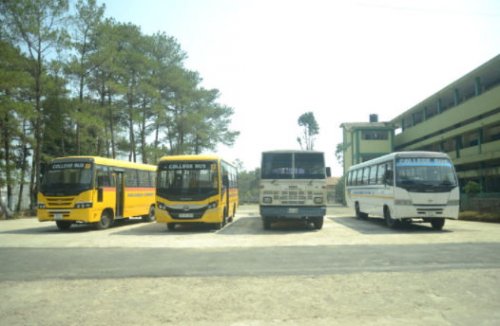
x=404 y=186
x=293 y=186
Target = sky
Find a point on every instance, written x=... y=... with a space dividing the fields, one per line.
x=273 y=60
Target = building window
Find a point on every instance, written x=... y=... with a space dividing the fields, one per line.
x=374 y=135
x=492 y=133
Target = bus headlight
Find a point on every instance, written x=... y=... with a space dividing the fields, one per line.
x=161 y=206
x=212 y=205
x=267 y=200
x=83 y=204
x=318 y=200
x=41 y=205
x=403 y=202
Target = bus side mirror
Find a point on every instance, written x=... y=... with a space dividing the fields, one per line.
x=328 y=171
x=225 y=180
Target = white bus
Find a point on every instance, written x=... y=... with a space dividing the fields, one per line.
x=404 y=186
x=293 y=186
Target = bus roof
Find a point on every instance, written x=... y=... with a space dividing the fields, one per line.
x=395 y=155
x=193 y=157
x=107 y=161
x=284 y=151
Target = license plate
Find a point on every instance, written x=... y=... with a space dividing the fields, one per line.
x=58 y=216
x=293 y=210
x=186 y=215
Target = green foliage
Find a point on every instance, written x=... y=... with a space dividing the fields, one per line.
x=111 y=91
x=340 y=191
x=248 y=186
x=310 y=128
x=472 y=188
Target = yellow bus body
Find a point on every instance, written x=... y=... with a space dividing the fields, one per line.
x=211 y=210
x=89 y=205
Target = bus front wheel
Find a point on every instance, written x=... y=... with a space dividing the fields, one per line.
x=171 y=226
x=437 y=223
x=266 y=221
x=318 y=222
x=63 y=225
x=105 y=221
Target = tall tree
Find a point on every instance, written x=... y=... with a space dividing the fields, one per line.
x=14 y=108
x=310 y=129
x=36 y=25
x=86 y=22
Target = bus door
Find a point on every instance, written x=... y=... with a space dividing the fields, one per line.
x=225 y=188
x=119 y=193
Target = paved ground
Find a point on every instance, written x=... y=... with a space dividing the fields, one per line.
x=350 y=272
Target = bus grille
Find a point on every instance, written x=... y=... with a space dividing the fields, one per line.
x=59 y=202
x=424 y=211
x=297 y=197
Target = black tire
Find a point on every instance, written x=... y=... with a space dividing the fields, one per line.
x=318 y=222
x=437 y=223
x=358 y=212
x=105 y=222
x=151 y=215
x=171 y=226
x=63 y=225
x=266 y=223
x=389 y=221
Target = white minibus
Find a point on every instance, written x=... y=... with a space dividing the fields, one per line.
x=405 y=186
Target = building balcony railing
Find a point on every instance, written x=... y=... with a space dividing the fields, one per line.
x=485 y=151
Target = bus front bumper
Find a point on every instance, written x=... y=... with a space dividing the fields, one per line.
x=292 y=212
x=74 y=215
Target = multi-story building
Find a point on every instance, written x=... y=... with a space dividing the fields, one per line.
x=462 y=120
x=366 y=140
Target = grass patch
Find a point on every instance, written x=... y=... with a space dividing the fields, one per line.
x=479 y=216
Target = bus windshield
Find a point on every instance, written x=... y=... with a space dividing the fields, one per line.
x=425 y=174
x=187 y=180
x=293 y=166
x=67 y=178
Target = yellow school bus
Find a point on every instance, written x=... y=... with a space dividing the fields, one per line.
x=195 y=189
x=90 y=189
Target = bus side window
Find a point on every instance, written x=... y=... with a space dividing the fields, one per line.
x=381 y=174
x=389 y=176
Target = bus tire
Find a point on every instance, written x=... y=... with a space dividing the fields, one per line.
x=171 y=226
x=150 y=217
x=358 y=212
x=318 y=222
x=437 y=223
x=105 y=222
x=63 y=225
x=266 y=222
x=389 y=221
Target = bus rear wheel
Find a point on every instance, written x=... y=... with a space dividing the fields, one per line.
x=150 y=217
x=437 y=223
x=171 y=226
x=389 y=221
x=358 y=212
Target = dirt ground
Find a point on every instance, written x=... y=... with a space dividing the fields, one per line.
x=455 y=296
x=366 y=298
